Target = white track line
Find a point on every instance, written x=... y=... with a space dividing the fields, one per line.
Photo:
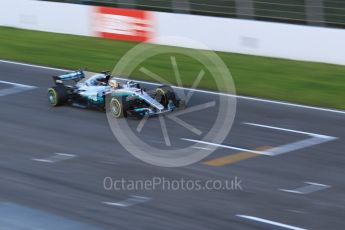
x=56 y=158
x=287 y=130
x=15 y=88
x=309 y=188
x=228 y=147
x=290 y=191
x=314 y=139
x=32 y=65
x=196 y=147
x=132 y=200
x=202 y=91
x=269 y=222
x=17 y=84
x=317 y=184
x=297 y=145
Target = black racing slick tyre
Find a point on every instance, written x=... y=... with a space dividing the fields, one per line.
x=118 y=107
x=164 y=94
x=57 y=95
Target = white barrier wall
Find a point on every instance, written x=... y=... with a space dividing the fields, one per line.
x=257 y=38
x=46 y=16
x=220 y=34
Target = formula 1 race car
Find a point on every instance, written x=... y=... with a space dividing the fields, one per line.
x=77 y=89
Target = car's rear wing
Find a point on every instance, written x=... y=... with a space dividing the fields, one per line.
x=76 y=75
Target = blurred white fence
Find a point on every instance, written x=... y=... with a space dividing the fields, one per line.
x=330 y=13
x=222 y=34
x=46 y=16
x=270 y=39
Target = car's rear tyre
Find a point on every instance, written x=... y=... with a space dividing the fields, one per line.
x=165 y=94
x=118 y=107
x=57 y=95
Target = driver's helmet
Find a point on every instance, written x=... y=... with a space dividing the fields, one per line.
x=100 y=80
x=114 y=83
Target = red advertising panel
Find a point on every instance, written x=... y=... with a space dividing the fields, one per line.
x=122 y=24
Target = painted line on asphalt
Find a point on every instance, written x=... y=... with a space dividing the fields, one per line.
x=17 y=84
x=317 y=184
x=201 y=91
x=290 y=191
x=32 y=65
x=314 y=139
x=228 y=147
x=132 y=200
x=56 y=158
x=287 y=130
x=196 y=147
x=15 y=88
x=311 y=187
x=233 y=158
x=269 y=222
x=294 y=146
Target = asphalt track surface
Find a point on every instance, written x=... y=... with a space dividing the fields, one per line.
x=69 y=193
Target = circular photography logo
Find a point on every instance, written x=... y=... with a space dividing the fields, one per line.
x=189 y=133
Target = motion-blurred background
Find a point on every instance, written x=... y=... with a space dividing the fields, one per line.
x=286 y=145
x=313 y=12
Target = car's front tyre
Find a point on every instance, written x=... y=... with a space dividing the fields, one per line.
x=165 y=94
x=118 y=107
x=57 y=95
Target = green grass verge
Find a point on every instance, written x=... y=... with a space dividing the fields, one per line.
x=300 y=82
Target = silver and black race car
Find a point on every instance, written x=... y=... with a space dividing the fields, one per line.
x=105 y=91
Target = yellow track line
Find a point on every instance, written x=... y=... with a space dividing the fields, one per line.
x=233 y=158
